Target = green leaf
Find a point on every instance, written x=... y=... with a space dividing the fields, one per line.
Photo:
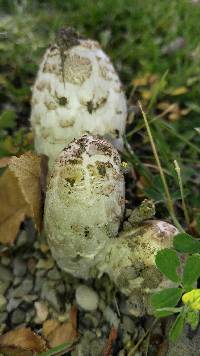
x=193 y=318
x=191 y=271
x=186 y=243
x=177 y=327
x=167 y=262
x=166 y=298
x=60 y=348
x=163 y=312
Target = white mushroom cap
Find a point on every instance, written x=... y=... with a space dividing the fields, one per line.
x=77 y=92
x=84 y=203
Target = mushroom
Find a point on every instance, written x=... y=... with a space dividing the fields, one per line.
x=84 y=204
x=77 y=91
x=84 y=208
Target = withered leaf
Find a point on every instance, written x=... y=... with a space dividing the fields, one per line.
x=20 y=195
x=111 y=339
x=27 y=170
x=57 y=333
x=13 y=207
x=21 y=341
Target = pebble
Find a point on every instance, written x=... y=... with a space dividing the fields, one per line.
x=30 y=298
x=111 y=317
x=49 y=293
x=19 y=267
x=3 y=317
x=30 y=314
x=39 y=282
x=54 y=274
x=24 y=288
x=31 y=264
x=128 y=325
x=90 y=321
x=3 y=287
x=22 y=238
x=17 y=281
x=86 y=298
x=5 y=274
x=45 y=263
x=13 y=304
x=5 y=260
x=18 y=317
x=60 y=287
x=41 y=312
x=3 y=303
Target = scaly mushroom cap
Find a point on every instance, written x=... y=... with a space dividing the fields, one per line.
x=77 y=92
x=84 y=203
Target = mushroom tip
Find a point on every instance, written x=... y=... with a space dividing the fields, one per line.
x=67 y=37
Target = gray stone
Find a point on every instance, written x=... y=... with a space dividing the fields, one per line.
x=19 y=267
x=111 y=317
x=18 y=317
x=49 y=294
x=3 y=317
x=3 y=287
x=13 y=304
x=5 y=274
x=54 y=274
x=24 y=288
x=39 y=282
x=128 y=325
x=30 y=298
x=30 y=315
x=22 y=238
x=86 y=297
x=60 y=287
x=17 y=281
x=5 y=260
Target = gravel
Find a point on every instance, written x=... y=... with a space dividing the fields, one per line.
x=86 y=298
x=18 y=317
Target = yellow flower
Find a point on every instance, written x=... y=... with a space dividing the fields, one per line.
x=192 y=299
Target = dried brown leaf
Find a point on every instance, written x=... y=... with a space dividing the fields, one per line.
x=21 y=341
x=57 y=333
x=109 y=344
x=13 y=207
x=49 y=326
x=27 y=170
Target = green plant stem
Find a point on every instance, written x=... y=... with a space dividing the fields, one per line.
x=66 y=347
x=134 y=349
x=162 y=175
x=178 y=171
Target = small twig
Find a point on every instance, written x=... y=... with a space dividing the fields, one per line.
x=178 y=171
x=117 y=307
x=162 y=175
x=134 y=349
x=111 y=339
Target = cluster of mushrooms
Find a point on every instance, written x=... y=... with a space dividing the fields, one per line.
x=78 y=118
